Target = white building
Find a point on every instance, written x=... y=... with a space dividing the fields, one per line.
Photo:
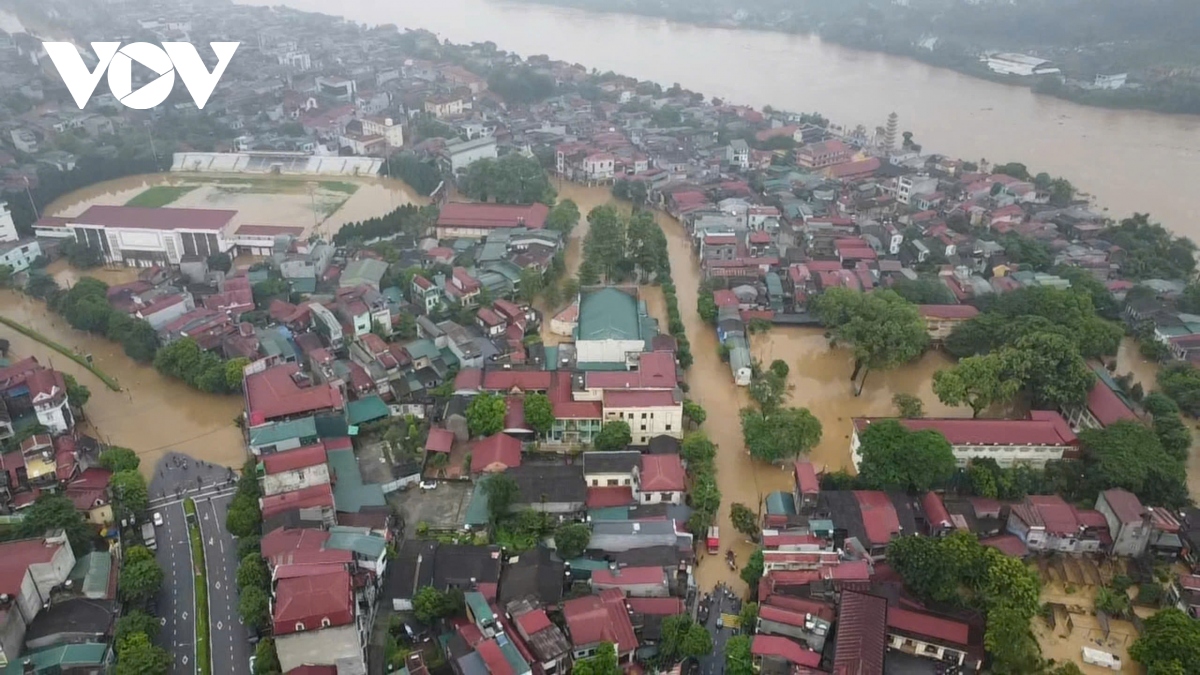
x=8 y=229
x=339 y=88
x=48 y=393
x=391 y=130
x=648 y=413
x=460 y=155
x=19 y=255
x=908 y=187
x=1031 y=442
x=599 y=166
x=1019 y=64
x=145 y=237
x=1111 y=81
x=739 y=153
x=298 y=60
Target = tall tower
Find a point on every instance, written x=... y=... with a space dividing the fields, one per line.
x=889 y=133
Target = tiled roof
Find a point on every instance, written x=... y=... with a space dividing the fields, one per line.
x=639 y=399
x=137 y=217
x=947 y=311
x=439 y=440
x=1008 y=544
x=17 y=556
x=309 y=497
x=311 y=600
x=525 y=380
x=861 y=634
x=662 y=473
x=1055 y=513
x=878 y=516
x=606 y=497
x=565 y=407
x=1106 y=406
x=806 y=478
x=495 y=453
x=629 y=576
x=935 y=510
x=655 y=606
x=783 y=648
x=656 y=370
x=600 y=618
x=292 y=460
x=460 y=214
x=616 y=462
x=1048 y=428
x=925 y=625
x=274 y=393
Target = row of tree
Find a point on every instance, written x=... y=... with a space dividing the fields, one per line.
x=408 y=220
x=700 y=453
x=619 y=249
x=772 y=432
x=511 y=179
x=85 y=306
x=183 y=359
x=422 y=176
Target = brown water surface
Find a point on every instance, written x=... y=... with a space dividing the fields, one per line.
x=152 y=414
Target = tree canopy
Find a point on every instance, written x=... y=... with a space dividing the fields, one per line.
x=981 y=381
x=1128 y=454
x=603 y=662
x=784 y=434
x=683 y=638
x=511 y=179
x=137 y=655
x=430 y=604
x=141 y=577
x=117 y=459
x=539 y=414
x=53 y=511
x=738 y=659
x=1151 y=251
x=894 y=458
x=924 y=291
x=883 y=329
x=571 y=539
x=485 y=414
x=1171 y=640
x=502 y=492
x=614 y=435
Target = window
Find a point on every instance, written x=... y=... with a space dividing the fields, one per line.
x=643 y=415
x=643 y=427
x=326 y=623
x=668 y=426
x=613 y=482
x=299 y=627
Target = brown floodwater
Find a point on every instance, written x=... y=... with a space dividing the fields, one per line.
x=320 y=205
x=152 y=414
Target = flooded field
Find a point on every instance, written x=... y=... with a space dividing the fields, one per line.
x=152 y=414
x=320 y=205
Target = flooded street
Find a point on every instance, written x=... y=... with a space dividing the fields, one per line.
x=152 y=415
x=320 y=205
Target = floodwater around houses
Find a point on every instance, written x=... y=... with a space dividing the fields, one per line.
x=152 y=414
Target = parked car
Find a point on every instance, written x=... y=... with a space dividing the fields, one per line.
x=429 y=484
x=158 y=519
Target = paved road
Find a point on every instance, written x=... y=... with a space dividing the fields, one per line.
x=230 y=650
x=176 y=474
x=714 y=664
x=176 y=602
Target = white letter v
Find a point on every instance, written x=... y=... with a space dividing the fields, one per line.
x=74 y=72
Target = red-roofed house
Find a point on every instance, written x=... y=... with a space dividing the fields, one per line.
x=439 y=440
x=931 y=637
x=29 y=569
x=458 y=220
x=1128 y=521
x=1103 y=407
x=879 y=520
x=1049 y=523
x=517 y=381
x=48 y=393
x=293 y=470
x=823 y=154
x=937 y=518
x=313 y=618
x=495 y=454
x=1035 y=441
x=661 y=480
x=940 y=320
x=771 y=649
x=594 y=619
x=283 y=392
x=638 y=582
x=861 y=634
x=89 y=493
x=808 y=488
x=608 y=496
x=655 y=606
x=315 y=502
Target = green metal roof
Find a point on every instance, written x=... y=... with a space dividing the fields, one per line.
x=609 y=513
x=305 y=427
x=350 y=494
x=303 y=284
x=357 y=539
x=478 y=606
x=587 y=564
x=609 y=314
x=91 y=573
x=781 y=503
x=477 y=509
x=57 y=659
x=422 y=349
x=331 y=426
x=366 y=409
x=366 y=271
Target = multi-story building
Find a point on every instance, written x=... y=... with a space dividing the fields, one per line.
x=907 y=187
x=940 y=320
x=1129 y=523
x=1049 y=523
x=823 y=154
x=390 y=129
x=48 y=393
x=458 y=156
x=1032 y=442
x=458 y=220
x=444 y=105
x=145 y=237
x=29 y=570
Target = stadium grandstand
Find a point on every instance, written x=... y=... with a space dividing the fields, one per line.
x=281 y=163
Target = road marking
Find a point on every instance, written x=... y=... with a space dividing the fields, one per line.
x=218 y=585
x=220 y=626
x=185 y=659
x=163 y=621
x=183 y=615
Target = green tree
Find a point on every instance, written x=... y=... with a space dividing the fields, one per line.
x=614 y=435
x=531 y=283
x=705 y=496
x=908 y=406
x=430 y=604
x=220 y=262
x=1170 y=636
x=694 y=412
x=141 y=577
x=738 y=659
x=1173 y=434
x=697 y=450
x=244 y=517
x=1159 y=404
x=77 y=394
x=136 y=655
x=254 y=607
x=234 y=369
x=894 y=458
x=571 y=540
x=41 y=285
x=485 y=414
x=511 y=179
x=883 y=329
x=683 y=638
x=135 y=621
x=252 y=571
x=266 y=659
x=768 y=390
x=603 y=662
x=1181 y=383
x=130 y=492
x=1055 y=373
x=1152 y=251
x=563 y=217
x=539 y=414
x=753 y=570
x=502 y=492
x=782 y=435
x=748 y=618
x=744 y=520
x=706 y=306
x=53 y=511
x=117 y=459
x=6 y=272
x=1129 y=455
x=927 y=571
x=924 y=291
x=604 y=246
x=980 y=381
x=271 y=289
x=1010 y=641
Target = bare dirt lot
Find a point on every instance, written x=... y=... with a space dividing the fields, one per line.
x=443 y=508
